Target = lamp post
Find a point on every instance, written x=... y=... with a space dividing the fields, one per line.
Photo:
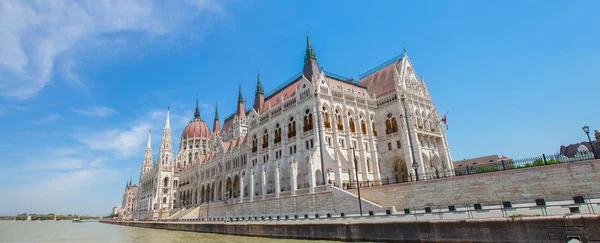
x=357 y=184
x=414 y=165
x=586 y=130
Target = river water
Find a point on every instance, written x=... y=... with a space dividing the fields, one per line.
x=66 y=231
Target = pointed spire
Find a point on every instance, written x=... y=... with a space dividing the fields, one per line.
x=240 y=110
x=197 y=112
x=149 y=145
x=310 y=54
x=216 y=126
x=259 y=88
x=404 y=48
x=240 y=98
x=216 y=111
x=311 y=69
x=167 y=122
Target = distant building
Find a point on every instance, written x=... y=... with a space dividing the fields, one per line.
x=129 y=196
x=116 y=210
x=484 y=160
x=582 y=148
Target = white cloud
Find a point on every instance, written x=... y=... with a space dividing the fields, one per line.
x=98 y=111
x=35 y=34
x=47 y=119
x=129 y=140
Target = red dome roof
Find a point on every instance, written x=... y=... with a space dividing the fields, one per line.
x=196 y=128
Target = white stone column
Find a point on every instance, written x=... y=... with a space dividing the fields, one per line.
x=251 y=186
x=311 y=176
x=293 y=173
x=277 y=187
x=263 y=179
x=241 y=187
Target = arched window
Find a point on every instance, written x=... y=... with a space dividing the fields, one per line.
x=338 y=120
x=254 y=144
x=166 y=181
x=373 y=127
x=277 y=133
x=351 y=124
x=308 y=120
x=265 y=139
x=391 y=125
x=292 y=128
x=363 y=127
x=369 y=165
x=164 y=199
x=326 y=121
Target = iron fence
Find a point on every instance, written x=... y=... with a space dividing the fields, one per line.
x=510 y=164
x=513 y=164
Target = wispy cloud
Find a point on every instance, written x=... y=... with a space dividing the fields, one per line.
x=37 y=34
x=47 y=119
x=5 y=109
x=97 y=111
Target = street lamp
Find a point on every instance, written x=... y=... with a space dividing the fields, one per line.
x=357 y=184
x=586 y=129
x=414 y=165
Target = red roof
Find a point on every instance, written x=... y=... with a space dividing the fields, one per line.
x=196 y=128
x=381 y=81
x=281 y=95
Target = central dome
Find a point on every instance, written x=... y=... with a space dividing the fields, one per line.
x=196 y=128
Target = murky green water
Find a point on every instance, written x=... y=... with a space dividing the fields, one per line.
x=65 y=231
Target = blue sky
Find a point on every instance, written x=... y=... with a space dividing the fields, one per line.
x=82 y=82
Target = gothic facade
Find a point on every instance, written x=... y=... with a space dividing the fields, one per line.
x=317 y=128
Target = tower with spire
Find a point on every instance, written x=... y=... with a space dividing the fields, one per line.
x=311 y=68
x=166 y=149
x=147 y=164
x=259 y=95
x=240 y=111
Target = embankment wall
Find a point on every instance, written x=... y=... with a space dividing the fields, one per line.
x=551 y=182
x=540 y=229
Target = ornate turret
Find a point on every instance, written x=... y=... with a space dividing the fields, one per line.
x=166 y=149
x=147 y=164
x=240 y=111
x=259 y=95
x=311 y=69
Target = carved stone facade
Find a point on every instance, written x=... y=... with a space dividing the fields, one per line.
x=317 y=128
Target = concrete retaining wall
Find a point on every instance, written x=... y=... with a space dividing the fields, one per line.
x=540 y=229
x=330 y=200
x=551 y=182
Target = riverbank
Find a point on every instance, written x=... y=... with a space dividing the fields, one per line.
x=535 y=229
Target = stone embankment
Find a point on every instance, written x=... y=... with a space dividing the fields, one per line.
x=551 y=229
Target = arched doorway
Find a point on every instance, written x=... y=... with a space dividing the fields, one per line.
x=318 y=177
x=401 y=173
x=236 y=186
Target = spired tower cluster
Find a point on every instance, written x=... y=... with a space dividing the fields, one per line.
x=317 y=128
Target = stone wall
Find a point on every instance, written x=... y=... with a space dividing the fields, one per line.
x=551 y=182
x=540 y=229
x=328 y=200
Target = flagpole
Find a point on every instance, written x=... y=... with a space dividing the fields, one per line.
x=440 y=121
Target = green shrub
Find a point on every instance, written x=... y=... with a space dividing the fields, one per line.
x=485 y=169
x=528 y=165
x=510 y=166
x=553 y=161
x=538 y=162
x=518 y=215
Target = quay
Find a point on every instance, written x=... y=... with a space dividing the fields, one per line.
x=550 y=229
